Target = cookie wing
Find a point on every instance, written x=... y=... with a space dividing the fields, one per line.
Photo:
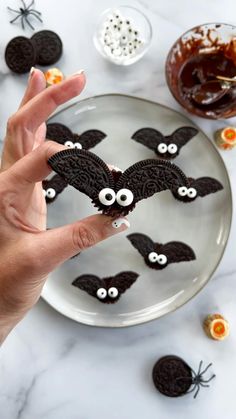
x=206 y=185
x=149 y=137
x=182 y=135
x=142 y=243
x=123 y=280
x=56 y=182
x=58 y=132
x=88 y=283
x=148 y=177
x=90 y=138
x=83 y=170
x=178 y=252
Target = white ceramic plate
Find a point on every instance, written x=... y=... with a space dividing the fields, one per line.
x=203 y=224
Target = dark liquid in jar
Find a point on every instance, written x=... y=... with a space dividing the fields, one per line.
x=203 y=68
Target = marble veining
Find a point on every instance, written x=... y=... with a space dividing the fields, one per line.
x=54 y=368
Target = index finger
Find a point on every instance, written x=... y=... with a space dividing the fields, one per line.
x=40 y=107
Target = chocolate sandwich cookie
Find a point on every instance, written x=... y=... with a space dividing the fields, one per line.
x=173 y=377
x=165 y=146
x=59 y=132
x=115 y=193
x=106 y=290
x=48 y=46
x=53 y=187
x=193 y=188
x=158 y=256
x=20 y=54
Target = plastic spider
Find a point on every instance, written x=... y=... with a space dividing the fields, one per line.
x=197 y=380
x=23 y=14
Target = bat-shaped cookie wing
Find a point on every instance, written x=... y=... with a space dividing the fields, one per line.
x=58 y=132
x=182 y=135
x=142 y=243
x=89 y=138
x=88 y=283
x=206 y=185
x=149 y=137
x=150 y=176
x=83 y=170
x=123 y=280
x=177 y=252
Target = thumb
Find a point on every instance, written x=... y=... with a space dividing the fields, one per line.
x=59 y=244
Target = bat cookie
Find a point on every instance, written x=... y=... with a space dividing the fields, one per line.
x=63 y=135
x=193 y=188
x=158 y=256
x=165 y=146
x=106 y=290
x=53 y=187
x=111 y=191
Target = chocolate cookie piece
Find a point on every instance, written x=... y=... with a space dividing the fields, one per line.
x=172 y=376
x=88 y=139
x=158 y=256
x=49 y=47
x=165 y=146
x=20 y=54
x=53 y=187
x=106 y=290
x=115 y=195
x=59 y=133
x=189 y=191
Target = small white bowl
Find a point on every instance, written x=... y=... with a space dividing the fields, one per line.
x=123 y=35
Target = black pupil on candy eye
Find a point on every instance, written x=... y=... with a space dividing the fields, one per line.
x=108 y=196
x=123 y=198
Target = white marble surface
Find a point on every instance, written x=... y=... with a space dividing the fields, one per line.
x=53 y=368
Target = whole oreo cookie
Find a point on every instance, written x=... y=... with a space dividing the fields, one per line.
x=20 y=54
x=172 y=376
x=48 y=46
x=59 y=133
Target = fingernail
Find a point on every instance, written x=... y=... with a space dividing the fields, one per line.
x=31 y=72
x=78 y=73
x=119 y=221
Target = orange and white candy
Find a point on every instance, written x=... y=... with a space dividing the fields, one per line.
x=53 y=76
x=216 y=327
x=226 y=138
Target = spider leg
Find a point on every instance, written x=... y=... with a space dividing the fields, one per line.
x=22 y=22
x=204 y=385
x=24 y=5
x=31 y=4
x=37 y=17
x=27 y=21
x=200 y=367
x=195 y=395
x=35 y=11
x=13 y=10
x=194 y=387
x=13 y=20
x=205 y=370
x=207 y=381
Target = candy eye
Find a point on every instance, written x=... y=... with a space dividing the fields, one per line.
x=192 y=193
x=182 y=191
x=50 y=193
x=107 y=196
x=162 y=259
x=162 y=148
x=113 y=292
x=69 y=144
x=172 y=148
x=78 y=146
x=124 y=197
x=153 y=257
x=101 y=293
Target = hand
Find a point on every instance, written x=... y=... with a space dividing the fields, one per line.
x=29 y=252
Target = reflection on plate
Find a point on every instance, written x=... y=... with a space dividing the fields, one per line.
x=204 y=224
